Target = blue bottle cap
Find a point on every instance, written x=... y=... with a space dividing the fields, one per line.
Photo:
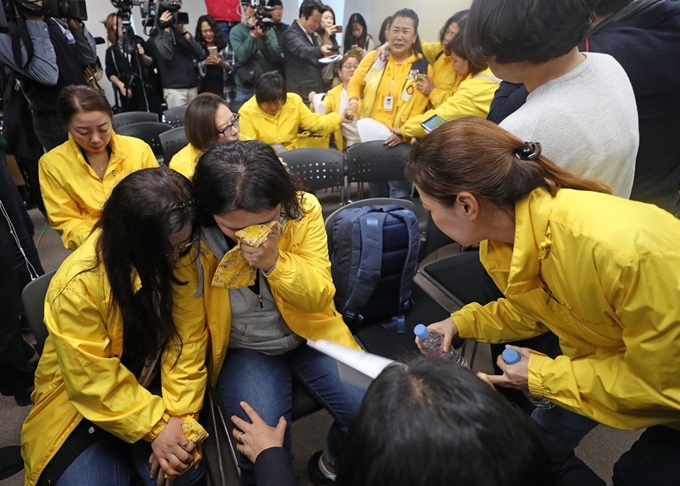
x=421 y=331
x=511 y=356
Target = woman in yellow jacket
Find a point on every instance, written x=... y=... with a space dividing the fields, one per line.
x=267 y=289
x=599 y=271
x=388 y=90
x=77 y=177
x=275 y=117
x=208 y=119
x=445 y=80
x=472 y=98
x=123 y=370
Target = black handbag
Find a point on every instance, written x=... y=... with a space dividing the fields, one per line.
x=248 y=71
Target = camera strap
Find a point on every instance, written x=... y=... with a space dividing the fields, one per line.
x=19 y=33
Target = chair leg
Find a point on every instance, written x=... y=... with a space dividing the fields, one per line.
x=474 y=354
x=220 y=462
x=225 y=427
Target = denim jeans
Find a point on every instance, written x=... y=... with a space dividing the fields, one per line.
x=396 y=189
x=653 y=460
x=108 y=462
x=265 y=382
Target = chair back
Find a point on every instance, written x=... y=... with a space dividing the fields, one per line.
x=175 y=116
x=376 y=162
x=172 y=142
x=130 y=117
x=33 y=298
x=319 y=168
x=149 y=132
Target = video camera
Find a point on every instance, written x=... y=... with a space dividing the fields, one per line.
x=172 y=6
x=263 y=15
x=60 y=9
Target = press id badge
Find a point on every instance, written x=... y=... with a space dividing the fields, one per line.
x=388 y=103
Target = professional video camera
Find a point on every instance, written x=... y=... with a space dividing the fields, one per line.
x=60 y=9
x=177 y=17
x=263 y=15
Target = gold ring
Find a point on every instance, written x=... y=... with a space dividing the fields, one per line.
x=240 y=437
x=185 y=445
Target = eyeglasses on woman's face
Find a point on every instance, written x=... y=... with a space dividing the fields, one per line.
x=183 y=249
x=226 y=131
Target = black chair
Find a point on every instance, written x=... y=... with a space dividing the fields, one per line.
x=33 y=298
x=175 y=116
x=149 y=132
x=172 y=142
x=122 y=119
x=376 y=162
x=319 y=168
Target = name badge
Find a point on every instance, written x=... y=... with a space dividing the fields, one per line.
x=388 y=103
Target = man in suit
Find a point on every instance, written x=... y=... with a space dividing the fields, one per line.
x=302 y=51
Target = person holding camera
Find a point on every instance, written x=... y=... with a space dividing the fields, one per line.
x=256 y=49
x=302 y=51
x=176 y=51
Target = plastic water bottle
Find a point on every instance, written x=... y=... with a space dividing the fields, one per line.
x=512 y=356
x=431 y=343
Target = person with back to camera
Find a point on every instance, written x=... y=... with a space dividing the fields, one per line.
x=207 y=120
x=275 y=117
x=603 y=281
x=388 y=90
x=582 y=106
x=77 y=176
x=123 y=374
x=216 y=69
x=266 y=288
x=356 y=37
x=472 y=97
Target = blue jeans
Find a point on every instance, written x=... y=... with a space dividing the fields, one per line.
x=653 y=460
x=396 y=189
x=265 y=382
x=108 y=461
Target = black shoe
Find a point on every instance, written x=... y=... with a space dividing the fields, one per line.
x=316 y=477
x=23 y=399
x=10 y=461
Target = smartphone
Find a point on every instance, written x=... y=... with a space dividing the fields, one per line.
x=432 y=123
x=335 y=48
x=338 y=29
x=212 y=51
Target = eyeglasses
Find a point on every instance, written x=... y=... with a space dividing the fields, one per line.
x=233 y=123
x=183 y=249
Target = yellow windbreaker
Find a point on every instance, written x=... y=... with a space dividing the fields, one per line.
x=603 y=274
x=301 y=285
x=80 y=373
x=472 y=98
x=332 y=102
x=445 y=78
x=74 y=195
x=392 y=84
x=255 y=124
x=185 y=160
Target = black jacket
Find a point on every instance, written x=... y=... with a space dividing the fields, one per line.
x=175 y=55
x=303 y=70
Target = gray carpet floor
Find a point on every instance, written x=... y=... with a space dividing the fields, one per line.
x=600 y=449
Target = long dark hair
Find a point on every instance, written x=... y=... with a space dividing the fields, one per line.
x=220 y=42
x=144 y=209
x=458 y=46
x=410 y=14
x=350 y=40
x=385 y=25
x=244 y=175
x=433 y=422
x=199 y=120
x=474 y=155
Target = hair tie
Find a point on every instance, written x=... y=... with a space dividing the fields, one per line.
x=188 y=202
x=530 y=151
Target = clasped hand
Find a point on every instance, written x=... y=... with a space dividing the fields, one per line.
x=169 y=456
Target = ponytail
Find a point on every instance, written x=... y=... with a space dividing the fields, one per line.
x=477 y=156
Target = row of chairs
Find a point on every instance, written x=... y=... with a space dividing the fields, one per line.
x=172 y=116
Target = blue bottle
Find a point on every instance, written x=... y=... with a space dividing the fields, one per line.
x=512 y=356
x=431 y=344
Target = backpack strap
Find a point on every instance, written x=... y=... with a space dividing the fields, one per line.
x=371 y=225
x=410 y=220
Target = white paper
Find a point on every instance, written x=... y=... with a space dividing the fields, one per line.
x=318 y=104
x=371 y=130
x=354 y=367
x=330 y=59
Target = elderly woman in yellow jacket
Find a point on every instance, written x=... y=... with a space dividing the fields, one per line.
x=123 y=371
x=599 y=271
x=388 y=90
x=472 y=98
x=77 y=177
x=267 y=289
x=275 y=117
x=207 y=120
